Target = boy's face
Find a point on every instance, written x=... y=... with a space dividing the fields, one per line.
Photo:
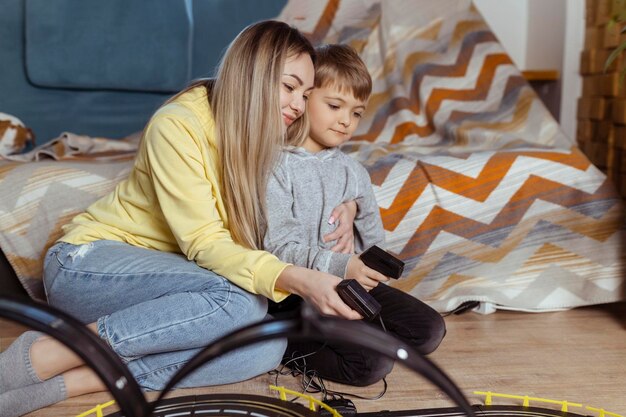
x=334 y=116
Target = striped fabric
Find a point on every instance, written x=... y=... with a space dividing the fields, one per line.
x=481 y=193
x=39 y=197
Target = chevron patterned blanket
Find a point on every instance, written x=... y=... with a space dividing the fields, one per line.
x=481 y=193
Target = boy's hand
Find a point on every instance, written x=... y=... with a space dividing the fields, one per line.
x=344 y=233
x=366 y=276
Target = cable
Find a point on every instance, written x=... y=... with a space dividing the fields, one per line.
x=347 y=394
x=311 y=382
x=381 y=323
x=462 y=308
x=296 y=369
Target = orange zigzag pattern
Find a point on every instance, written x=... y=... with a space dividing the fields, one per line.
x=431 y=32
x=535 y=188
x=599 y=229
x=438 y=95
x=478 y=189
x=324 y=23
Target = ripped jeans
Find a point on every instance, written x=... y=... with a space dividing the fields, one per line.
x=157 y=310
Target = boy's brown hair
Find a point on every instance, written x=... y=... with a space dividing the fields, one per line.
x=340 y=66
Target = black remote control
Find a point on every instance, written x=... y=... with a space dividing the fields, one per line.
x=355 y=296
x=383 y=262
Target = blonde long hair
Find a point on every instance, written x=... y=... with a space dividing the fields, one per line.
x=249 y=130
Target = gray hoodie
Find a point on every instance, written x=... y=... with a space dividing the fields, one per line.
x=302 y=191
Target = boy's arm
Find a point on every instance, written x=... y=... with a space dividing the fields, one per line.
x=285 y=236
x=368 y=224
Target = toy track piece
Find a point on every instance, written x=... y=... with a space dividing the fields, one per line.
x=228 y=405
x=479 y=410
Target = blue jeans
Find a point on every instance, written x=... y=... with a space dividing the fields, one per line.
x=156 y=310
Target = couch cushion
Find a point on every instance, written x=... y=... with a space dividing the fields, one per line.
x=217 y=22
x=116 y=44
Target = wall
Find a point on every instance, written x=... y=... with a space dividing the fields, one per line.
x=571 y=78
x=532 y=31
x=543 y=35
x=508 y=20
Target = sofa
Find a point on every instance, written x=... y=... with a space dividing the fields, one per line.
x=480 y=191
x=102 y=68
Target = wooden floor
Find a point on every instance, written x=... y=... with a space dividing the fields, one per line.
x=577 y=355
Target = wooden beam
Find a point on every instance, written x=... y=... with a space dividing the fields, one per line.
x=541 y=75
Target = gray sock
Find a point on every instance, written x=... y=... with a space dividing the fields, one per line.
x=32 y=397
x=16 y=370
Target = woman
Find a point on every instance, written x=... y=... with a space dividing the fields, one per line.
x=168 y=262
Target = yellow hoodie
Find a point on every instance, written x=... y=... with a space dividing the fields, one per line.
x=172 y=200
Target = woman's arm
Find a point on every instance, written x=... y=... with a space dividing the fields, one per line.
x=179 y=166
x=317 y=288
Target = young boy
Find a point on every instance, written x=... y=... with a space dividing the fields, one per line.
x=308 y=182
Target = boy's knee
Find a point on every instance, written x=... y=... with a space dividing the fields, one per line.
x=436 y=333
x=371 y=369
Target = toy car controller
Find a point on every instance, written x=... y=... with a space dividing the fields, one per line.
x=355 y=296
x=383 y=262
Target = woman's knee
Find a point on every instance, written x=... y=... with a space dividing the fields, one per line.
x=232 y=367
x=245 y=363
x=269 y=356
x=247 y=307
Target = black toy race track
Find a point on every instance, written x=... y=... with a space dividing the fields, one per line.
x=239 y=405
x=309 y=325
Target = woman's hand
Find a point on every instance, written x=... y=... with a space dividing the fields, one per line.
x=366 y=276
x=318 y=289
x=344 y=233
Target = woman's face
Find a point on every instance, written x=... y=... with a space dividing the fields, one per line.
x=296 y=84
